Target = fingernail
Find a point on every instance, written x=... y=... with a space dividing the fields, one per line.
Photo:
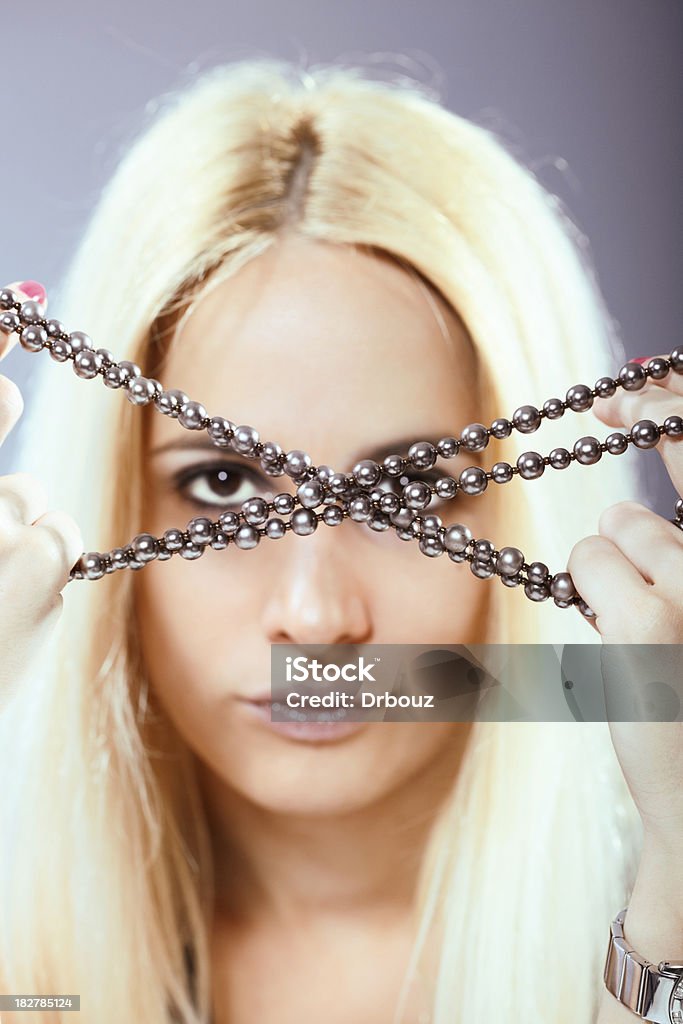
x=34 y=290
x=639 y=359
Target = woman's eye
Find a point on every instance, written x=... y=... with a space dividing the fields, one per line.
x=217 y=485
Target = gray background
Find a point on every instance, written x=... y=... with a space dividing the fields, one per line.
x=585 y=92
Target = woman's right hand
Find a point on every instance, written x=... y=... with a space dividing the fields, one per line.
x=37 y=550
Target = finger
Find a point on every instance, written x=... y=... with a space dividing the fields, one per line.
x=607 y=581
x=653 y=545
x=657 y=404
x=8 y=341
x=673 y=380
x=22 y=499
x=11 y=406
x=66 y=536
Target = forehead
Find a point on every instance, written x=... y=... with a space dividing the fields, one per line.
x=319 y=346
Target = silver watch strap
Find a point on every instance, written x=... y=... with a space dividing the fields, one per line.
x=642 y=987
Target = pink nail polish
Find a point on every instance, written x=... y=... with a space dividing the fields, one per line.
x=34 y=290
x=640 y=359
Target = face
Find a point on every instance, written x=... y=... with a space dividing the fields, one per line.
x=342 y=354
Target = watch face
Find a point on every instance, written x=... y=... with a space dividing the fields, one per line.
x=676 y=1003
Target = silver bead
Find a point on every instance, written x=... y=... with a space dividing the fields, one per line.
x=192 y=416
x=389 y=502
x=562 y=586
x=360 y=508
x=128 y=369
x=31 y=310
x=8 y=298
x=87 y=364
x=676 y=359
x=303 y=522
x=509 y=561
x=247 y=536
x=403 y=517
x=632 y=377
x=229 y=522
x=338 y=484
x=144 y=547
x=483 y=550
x=616 y=443
x=605 y=387
x=200 y=530
x=481 y=569
x=171 y=402
x=422 y=455
x=119 y=558
x=645 y=434
x=587 y=451
x=220 y=430
x=191 y=551
x=457 y=537
x=283 y=503
x=275 y=528
x=33 y=338
x=658 y=368
x=448 y=447
x=333 y=515
x=579 y=398
x=9 y=322
x=244 y=439
x=393 y=465
x=473 y=480
x=60 y=350
x=219 y=539
x=538 y=572
x=501 y=473
x=79 y=341
x=255 y=511
x=530 y=465
x=431 y=546
x=55 y=328
x=417 y=494
x=553 y=409
x=536 y=591
x=140 y=391
x=559 y=458
x=446 y=487
x=91 y=565
x=173 y=539
x=297 y=463
x=474 y=438
x=673 y=426
x=431 y=525
x=310 y=494
x=526 y=419
x=501 y=428
x=378 y=521
x=114 y=377
x=367 y=473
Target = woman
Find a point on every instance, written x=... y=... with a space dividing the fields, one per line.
x=342 y=264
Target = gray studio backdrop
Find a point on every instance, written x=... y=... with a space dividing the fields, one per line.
x=586 y=92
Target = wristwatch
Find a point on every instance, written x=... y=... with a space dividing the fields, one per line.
x=652 y=993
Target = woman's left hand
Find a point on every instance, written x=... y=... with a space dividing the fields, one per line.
x=631 y=575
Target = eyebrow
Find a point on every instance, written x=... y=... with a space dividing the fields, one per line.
x=377 y=452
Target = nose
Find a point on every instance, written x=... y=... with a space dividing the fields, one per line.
x=316 y=592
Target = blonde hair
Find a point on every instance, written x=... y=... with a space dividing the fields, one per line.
x=105 y=861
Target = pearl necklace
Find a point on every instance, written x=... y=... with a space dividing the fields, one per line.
x=357 y=495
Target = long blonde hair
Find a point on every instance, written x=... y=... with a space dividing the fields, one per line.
x=105 y=860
